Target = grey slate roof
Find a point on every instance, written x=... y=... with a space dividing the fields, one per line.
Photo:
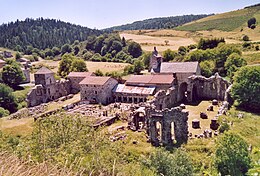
x=44 y=70
x=179 y=67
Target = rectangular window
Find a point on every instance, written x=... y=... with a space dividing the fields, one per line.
x=95 y=92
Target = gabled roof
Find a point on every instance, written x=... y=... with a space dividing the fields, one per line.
x=44 y=70
x=179 y=67
x=150 y=79
x=80 y=74
x=121 y=88
x=95 y=80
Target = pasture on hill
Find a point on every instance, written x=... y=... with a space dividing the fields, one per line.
x=228 y=21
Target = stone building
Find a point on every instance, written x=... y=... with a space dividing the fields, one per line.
x=183 y=70
x=132 y=94
x=159 y=81
x=47 y=88
x=75 y=78
x=97 y=89
x=155 y=61
x=139 y=87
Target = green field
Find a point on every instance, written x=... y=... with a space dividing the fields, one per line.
x=226 y=21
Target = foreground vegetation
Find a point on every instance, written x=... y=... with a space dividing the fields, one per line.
x=69 y=144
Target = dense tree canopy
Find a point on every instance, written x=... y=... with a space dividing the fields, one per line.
x=135 y=49
x=158 y=23
x=217 y=55
x=233 y=63
x=7 y=99
x=41 y=33
x=210 y=43
x=246 y=87
x=169 y=55
x=166 y=163
x=12 y=74
x=71 y=63
x=232 y=156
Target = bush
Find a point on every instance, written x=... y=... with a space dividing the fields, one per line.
x=166 y=163
x=245 y=38
x=224 y=127
x=4 y=112
x=246 y=45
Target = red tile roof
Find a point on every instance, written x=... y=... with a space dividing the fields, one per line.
x=95 y=80
x=80 y=74
x=150 y=79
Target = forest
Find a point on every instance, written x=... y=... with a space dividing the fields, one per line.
x=158 y=23
x=41 y=33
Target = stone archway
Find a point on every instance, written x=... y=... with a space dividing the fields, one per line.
x=183 y=92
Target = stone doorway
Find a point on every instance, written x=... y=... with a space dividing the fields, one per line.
x=183 y=92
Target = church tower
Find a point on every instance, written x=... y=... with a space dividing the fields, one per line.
x=155 y=62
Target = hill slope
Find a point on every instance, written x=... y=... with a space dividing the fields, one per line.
x=228 y=21
x=158 y=23
x=41 y=33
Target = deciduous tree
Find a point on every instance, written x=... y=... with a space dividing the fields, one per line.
x=12 y=74
x=7 y=99
x=232 y=156
x=246 y=87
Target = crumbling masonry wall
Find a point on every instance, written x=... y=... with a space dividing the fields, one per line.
x=43 y=94
x=165 y=98
x=166 y=117
x=202 y=88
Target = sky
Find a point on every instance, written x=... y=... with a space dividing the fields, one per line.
x=101 y=14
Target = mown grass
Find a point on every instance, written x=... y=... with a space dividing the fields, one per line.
x=226 y=21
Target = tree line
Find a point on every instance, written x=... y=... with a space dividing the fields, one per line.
x=159 y=23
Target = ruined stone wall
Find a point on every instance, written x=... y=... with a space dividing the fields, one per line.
x=168 y=118
x=202 y=88
x=42 y=94
x=165 y=98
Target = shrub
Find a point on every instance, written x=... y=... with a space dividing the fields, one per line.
x=3 y=112
x=166 y=163
x=224 y=127
x=245 y=38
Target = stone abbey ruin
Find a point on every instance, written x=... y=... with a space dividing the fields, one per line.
x=154 y=98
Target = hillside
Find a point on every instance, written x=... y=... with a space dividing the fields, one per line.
x=228 y=21
x=41 y=33
x=158 y=23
